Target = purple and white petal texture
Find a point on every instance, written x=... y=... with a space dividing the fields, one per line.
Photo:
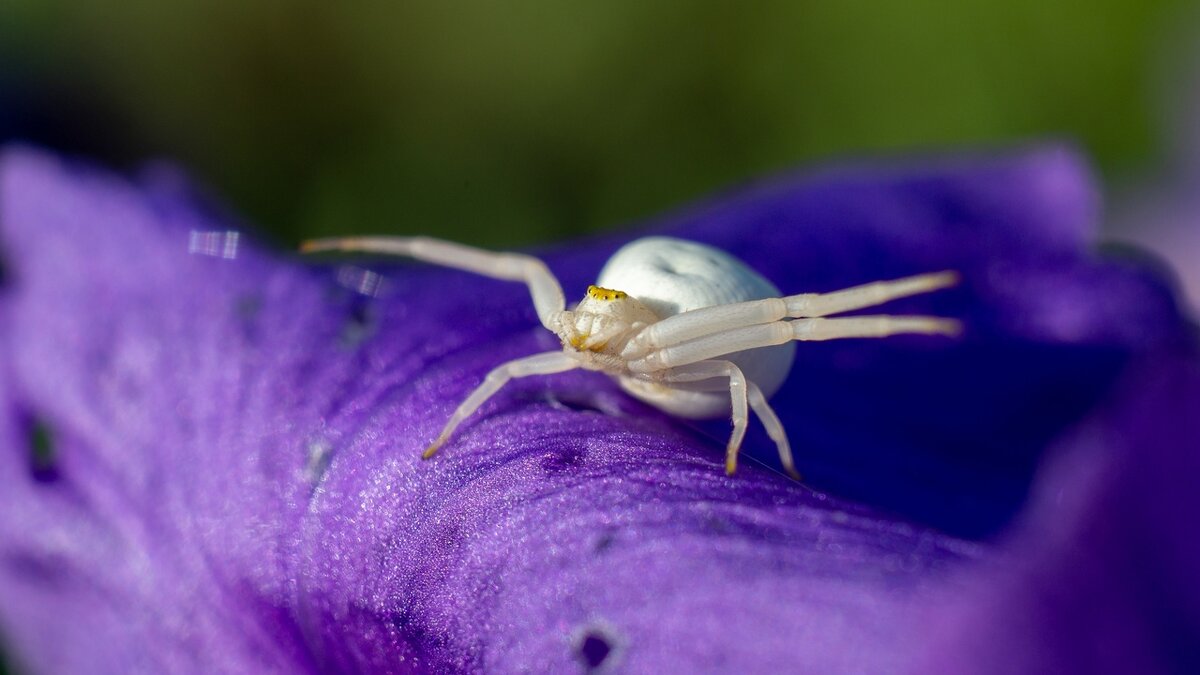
x=210 y=451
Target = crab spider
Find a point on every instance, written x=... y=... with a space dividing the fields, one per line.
x=693 y=331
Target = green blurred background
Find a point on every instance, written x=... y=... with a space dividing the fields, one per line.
x=510 y=123
x=507 y=123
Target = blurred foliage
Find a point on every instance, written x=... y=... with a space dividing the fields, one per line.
x=504 y=123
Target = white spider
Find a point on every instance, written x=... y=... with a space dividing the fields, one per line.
x=693 y=331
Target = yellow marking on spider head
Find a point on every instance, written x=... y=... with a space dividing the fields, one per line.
x=598 y=293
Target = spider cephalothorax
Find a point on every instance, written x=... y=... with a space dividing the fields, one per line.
x=604 y=321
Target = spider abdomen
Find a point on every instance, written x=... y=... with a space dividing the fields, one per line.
x=671 y=276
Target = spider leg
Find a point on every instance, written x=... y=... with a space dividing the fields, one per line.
x=546 y=363
x=770 y=422
x=720 y=318
x=739 y=386
x=769 y=334
x=547 y=294
x=808 y=305
x=707 y=370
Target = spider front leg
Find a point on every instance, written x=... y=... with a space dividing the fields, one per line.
x=770 y=334
x=704 y=321
x=548 y=298
x=546 y=363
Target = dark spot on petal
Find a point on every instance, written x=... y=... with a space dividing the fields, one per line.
x=43 y=456
x=246 y=310
x=718 y=524
x=247 y=307
x=564 y=458
x=37 y=570
x=400 y=620
x=412 y=628
x=449 y=537
x=594 y=647
x=604 y=542
x=594 y=650
x=359 y=325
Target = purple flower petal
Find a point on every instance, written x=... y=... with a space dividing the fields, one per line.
x=233 y=480
x=1049 y=326
x=1101 y=575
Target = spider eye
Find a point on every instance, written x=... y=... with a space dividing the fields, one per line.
x=598 y=293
